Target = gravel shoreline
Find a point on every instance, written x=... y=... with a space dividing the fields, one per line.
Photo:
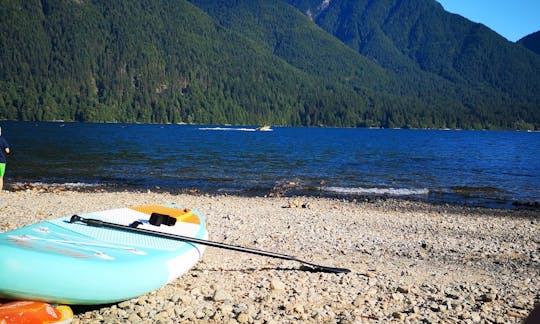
x=410 y=261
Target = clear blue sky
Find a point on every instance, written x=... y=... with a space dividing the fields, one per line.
x=512 y=19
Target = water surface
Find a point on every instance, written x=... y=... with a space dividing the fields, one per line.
x=488 y=168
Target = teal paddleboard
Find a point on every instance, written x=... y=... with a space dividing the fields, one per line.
x=58 y=261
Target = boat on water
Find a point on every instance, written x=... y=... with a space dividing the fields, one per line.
x=264 y=128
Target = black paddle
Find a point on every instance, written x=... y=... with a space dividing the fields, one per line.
x=99 y=223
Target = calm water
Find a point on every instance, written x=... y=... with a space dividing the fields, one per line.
x=465 y=167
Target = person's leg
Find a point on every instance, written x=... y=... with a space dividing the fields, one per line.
x=2 y=171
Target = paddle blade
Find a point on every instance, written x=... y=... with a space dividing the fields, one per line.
x=322 y=268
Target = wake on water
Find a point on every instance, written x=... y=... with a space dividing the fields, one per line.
x=227 y=129
x=238 y=129
x=377 y=191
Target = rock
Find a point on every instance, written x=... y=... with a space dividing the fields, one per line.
x=276 y=284
x=520 y=303
x=397 y=297
x=515 y=314
x=125 y=304
x=134 y=318
x=398 y=315
x=185 y=299
x=164 y=315
x=358 y=301
x=369 y=274
x=242 y=318
x=299 y=308
x=209 y=312
x=487 y=298
x=372 y=292
x=221 y=295
x=188 y=315
x=293 y=204
x=226 y=308
x=475 y=317
x=403 y=290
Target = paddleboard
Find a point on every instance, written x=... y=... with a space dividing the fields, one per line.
x=33 y=312
x=57 y=261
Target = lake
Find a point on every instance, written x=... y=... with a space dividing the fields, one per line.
x=483 y=168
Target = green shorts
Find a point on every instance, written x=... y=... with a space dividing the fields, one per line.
x=2 y=169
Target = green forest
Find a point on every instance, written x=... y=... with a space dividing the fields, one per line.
x=531 y=42
x=254 y=62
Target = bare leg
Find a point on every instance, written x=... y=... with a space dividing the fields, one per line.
x=1 y=183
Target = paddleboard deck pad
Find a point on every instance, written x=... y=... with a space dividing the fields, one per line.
x=72 y=263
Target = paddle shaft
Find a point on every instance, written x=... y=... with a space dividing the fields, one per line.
x=99 y=223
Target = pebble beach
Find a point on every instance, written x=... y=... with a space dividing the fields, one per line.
x=409 y=261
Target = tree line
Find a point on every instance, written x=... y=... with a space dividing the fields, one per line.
x=171 y=62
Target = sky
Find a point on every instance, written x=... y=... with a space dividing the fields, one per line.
x=513 y=19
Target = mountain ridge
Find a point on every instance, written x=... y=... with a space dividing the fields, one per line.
x=430 y=79
x=452 y=49
x=259 y=62
x=531 y=42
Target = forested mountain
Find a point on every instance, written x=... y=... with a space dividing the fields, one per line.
x=490 y=72
x=146 y=61
x=385 y=63
x=531 y=42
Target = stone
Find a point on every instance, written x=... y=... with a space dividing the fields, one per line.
x=358 y=301
x=299 y=308
x=397 y=297
x=403 y=290
x=226 y=308
x=242 y=318
x=520 y=303
x=475 y=317
x=134 y=318
x=186 y=299
x=221 y=295
x=370 y=274
x=276 y=284
x=125 y=304
x=487 y=298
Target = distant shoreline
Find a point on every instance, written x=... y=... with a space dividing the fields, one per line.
x=254 y=127
x=275 y=192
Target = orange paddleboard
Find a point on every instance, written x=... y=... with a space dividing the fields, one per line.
x=34 y=312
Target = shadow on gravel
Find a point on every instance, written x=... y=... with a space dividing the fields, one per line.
x=80 y=309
